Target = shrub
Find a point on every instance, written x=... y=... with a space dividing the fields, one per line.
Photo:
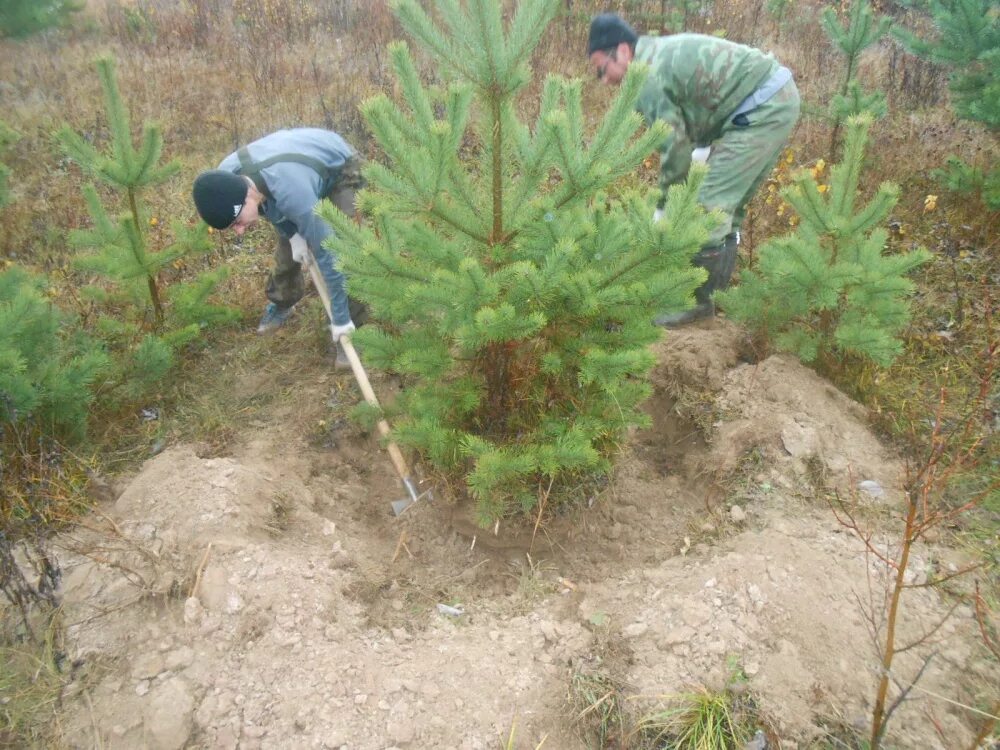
x=828 y=289
x=142 y=323
x=46 y=370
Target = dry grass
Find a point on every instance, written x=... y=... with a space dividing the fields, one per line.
x=598 y=694
x=31 y=684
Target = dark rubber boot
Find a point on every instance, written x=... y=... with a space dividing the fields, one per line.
x=358 y=310
x=719 y=261
x=675 y=320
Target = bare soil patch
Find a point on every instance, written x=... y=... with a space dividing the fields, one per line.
x=268 y=598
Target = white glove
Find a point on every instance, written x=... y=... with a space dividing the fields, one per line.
x=657 y=215
x=300 y=249
x=343 y=330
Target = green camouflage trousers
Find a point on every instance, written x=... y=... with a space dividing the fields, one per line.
x=285 y=286
x=744 y=155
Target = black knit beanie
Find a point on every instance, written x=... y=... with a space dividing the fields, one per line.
x=219 y=197
x=608 y=30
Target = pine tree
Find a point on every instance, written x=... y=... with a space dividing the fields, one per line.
x=47 y=371
x=514 y=297
x=122 y=250
x=961 y=177
x=139 y=324
x=7 y=137
x=671 y=16
x=828 y=290
x=778 y=10
x=48 y=375
x=968 y=44
x=20 y=18
x=862 y=30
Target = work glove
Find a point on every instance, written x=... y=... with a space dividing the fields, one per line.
x=300 y=249
x=344 y=330
x=657 y=215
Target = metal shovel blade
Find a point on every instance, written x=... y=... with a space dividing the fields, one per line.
x=398 y=506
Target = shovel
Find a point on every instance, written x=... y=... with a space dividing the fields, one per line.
x=398 y=462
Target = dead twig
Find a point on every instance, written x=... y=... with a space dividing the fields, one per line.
x=199 y=571
x=401 y=545
x=541 y=511
x=929 y=633
x=93 y=720
x=903 y=693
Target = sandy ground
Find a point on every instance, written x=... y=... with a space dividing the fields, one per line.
x=268 y=598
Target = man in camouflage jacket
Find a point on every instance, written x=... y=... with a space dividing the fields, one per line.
x=712 y=92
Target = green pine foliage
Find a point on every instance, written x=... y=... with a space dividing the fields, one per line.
x=778 y=9
x=961 y=177
x=862 y=30
x=670 y=16
x=4 y=185
x=513 y=296
x=47 y=371
x=967 y=42
x=856 y=101
x=141 y=320
x=7 y=137
x=828 y=290
x=20 y=18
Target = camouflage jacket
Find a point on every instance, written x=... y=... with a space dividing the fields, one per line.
x=695 y=83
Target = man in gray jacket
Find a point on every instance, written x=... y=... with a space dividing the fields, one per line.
x=282 y=177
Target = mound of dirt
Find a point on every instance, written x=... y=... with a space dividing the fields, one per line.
x=269 y=599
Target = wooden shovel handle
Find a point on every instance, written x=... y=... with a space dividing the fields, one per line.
x=359 y=373
x=366 y=390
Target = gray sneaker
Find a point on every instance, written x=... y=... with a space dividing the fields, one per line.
x=342 y=362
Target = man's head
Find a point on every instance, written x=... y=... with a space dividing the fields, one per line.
x=225 y=200
x=611 y=47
